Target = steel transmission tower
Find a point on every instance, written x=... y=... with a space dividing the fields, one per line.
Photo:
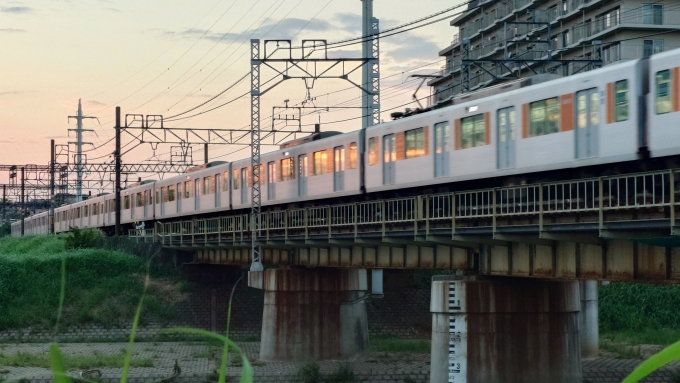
x=370 y=48
x=79 y=149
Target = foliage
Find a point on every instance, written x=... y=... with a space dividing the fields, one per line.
x=96 y=360
x=82 y=238
x=103 y=285
x=6 y=229
x=308 y=373
x=391 y=343
x=343 y=374
x=655 y=362
x=637 y=307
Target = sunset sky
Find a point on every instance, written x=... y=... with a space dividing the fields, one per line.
x=166 y=56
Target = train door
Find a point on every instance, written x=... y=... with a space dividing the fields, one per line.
x=505 y=138
x=197 y=194
x=339 y=168
x=442 y=143
x=218 y=189
x=271 y=180
x=244 y=185
x=587 y=123
x=146 y=202
x=389 y=157
x=179 y=196
x=302 y=175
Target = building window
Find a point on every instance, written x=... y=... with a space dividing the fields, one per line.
x=188 y=189
x=566 y=40
x=472 y=131
x=652 y=14
x=373 y=157
x=287 y=169
x=320 y=160
x=612 y=53
x=352 y=159
x=621 y=100
x=663 y=91
x=651 y=47
x=415 y=143
x=544 y=117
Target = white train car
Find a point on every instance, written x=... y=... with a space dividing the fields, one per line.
x=663 y=104
x=16 y=228
x=585 y=119
x=137 y=203
x=204 y=189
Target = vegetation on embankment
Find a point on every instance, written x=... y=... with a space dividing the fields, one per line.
x=640 y=313
x=102 y=286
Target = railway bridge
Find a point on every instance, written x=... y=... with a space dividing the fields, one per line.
x=523 y=303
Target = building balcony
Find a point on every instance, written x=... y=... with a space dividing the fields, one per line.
x=624 y=51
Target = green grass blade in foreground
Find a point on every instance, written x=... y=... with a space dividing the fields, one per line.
x=247 y=369
x=655 y=362
x=62 y=294
x=133 y=332
x=57 y=365
x=225 y=350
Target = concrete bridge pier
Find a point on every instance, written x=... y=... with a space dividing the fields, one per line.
x=505 y=330
x=588 y=319
x=312 y=314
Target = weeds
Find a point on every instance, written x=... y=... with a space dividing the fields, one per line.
x=622 y=351
x=308 y=373
x=82 y=238
x=390 y=343
x=638 y=307
x=343 y=374
x=96 y=360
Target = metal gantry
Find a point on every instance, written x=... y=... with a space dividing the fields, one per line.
x=317 y=65
x=255 y=195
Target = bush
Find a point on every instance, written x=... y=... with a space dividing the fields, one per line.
x=637 y=307
x=343 y=374
x=102 y=286
x=82 y=238
x=309 y=373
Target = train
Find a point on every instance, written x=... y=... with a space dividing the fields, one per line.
x=621 y=113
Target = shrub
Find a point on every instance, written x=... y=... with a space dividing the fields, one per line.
x=309 y=373
x=82 y=238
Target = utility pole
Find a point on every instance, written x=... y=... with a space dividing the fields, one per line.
x=52 y=201
x=205 y=153
x=117 y=170
x=370 y=100
x=255 y=196
x=23 y=202
x=79 y=149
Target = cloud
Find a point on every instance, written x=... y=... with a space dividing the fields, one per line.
x=15 y=92
x=17 y=9
x=285 y=29
x=94 y=103
x=11 y=30
x=407 y=49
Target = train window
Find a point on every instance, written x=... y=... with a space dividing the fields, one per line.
x=237 y=177
x=188 y=189
x=287 y=169
x=112 y=206
x=171 y=193
x=158 y=196
x=320 y=160
x=225 y=181
x=271 y=172
x=663 y=91
x=544 y=117
x=472 y=131
x=208 y=186
x=415 y=143
x=352 y=158
x=621 y=100
x=140 y=200
x=373 y=157
x=86 y=210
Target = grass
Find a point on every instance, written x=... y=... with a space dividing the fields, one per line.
x=390 y=343
x=622 y=350
x=103 y=285
x=308 y=373
x=343 y=374
x=638 y=307
x=96 y=360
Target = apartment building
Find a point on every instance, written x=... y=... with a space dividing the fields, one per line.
x=594 y=32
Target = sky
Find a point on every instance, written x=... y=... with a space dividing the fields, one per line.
x=168 y=56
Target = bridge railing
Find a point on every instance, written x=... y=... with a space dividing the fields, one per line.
x=590 y=199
